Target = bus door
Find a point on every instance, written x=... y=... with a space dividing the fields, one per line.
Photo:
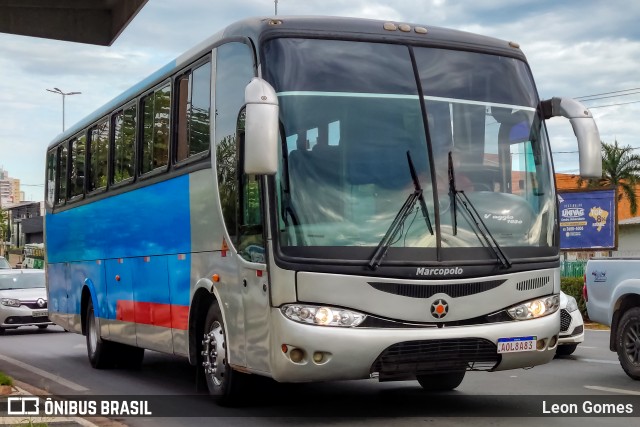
x=120 y=302
x=252 y=272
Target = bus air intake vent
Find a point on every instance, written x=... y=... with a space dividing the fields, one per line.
x=528 y=285
x=455 y=290
x=409 y=358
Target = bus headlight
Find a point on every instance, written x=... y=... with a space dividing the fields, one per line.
x=324 y=316
x=535 y=308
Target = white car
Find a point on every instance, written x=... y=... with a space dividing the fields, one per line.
x=23 y=299
x=571 y=326
x=4 y=264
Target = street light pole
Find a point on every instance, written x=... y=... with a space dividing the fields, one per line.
x=59 y=92
x=276 y=1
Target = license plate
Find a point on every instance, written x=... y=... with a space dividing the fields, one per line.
x=516 y=344
x=40 y=313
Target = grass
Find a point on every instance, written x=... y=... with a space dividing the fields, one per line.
x=5 y=379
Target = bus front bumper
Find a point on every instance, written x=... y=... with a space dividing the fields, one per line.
x=336 y=353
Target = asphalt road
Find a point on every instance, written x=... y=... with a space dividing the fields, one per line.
x=56 y=361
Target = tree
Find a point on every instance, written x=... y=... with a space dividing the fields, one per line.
x=621 y=170
x=4 y=225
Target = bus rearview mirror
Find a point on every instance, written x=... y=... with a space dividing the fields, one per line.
x=261 y=128
x=585 y=129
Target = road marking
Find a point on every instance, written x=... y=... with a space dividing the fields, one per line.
x=582 y=346
x=613 y=390
x=609 y=362
x=38 y=371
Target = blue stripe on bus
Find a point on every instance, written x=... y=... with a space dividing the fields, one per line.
x=152 y=220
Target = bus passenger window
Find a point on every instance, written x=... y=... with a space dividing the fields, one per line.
x=156 y=110
x=98 y=156
x=51 y=176
x=194 y=111
x=76 y=181
x=124 y=124
x=62 y=174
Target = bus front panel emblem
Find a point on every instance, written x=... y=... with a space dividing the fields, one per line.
x=439 y=309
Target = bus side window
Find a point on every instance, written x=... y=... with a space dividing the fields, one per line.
x=98 y=157
x=234 y=70
x=51 y=176
x=194 y=112
x=61 y=185
x=124 y=133
x=78 y=157
x=156 y=109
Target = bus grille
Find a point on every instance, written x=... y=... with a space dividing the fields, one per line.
x=455 y=290
x=409 y=358
x=530 y=284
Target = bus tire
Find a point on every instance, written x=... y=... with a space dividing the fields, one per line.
x=441 y=382
x=224 y=384
x=102 y=354
x=628 y=342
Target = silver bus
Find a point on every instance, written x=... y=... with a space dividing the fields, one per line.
x=313 y=199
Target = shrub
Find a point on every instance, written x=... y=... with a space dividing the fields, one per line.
x=573 y=286
x=5 y=379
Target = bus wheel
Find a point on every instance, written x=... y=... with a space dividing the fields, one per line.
x=101 y=353
x=628 y=342
x=441 y=382
x=223 y=382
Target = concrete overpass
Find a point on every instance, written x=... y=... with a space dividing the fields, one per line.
x=97 y=22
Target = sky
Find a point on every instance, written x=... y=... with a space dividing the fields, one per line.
x=574 y=48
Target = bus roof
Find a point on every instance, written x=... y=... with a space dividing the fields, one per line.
x=262 y=28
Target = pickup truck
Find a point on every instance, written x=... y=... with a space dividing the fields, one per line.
x=612 y=293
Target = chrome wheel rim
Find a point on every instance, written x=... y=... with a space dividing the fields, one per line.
x=632 y=343
x=214 y=360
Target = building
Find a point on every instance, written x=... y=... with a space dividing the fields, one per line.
x=9 y=189
x=25 y=224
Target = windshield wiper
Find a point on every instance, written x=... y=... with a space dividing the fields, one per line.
x=475 y=219
x=401 y=216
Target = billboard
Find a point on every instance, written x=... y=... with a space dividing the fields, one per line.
x=587 y=219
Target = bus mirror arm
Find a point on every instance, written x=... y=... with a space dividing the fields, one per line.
x=585 y=129
x=261 y=128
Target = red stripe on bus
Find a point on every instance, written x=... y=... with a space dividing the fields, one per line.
x=151 y=313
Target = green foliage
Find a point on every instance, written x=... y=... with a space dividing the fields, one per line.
x=573 y=286
x=4 y=224
x=621 y=170
x=5 y=379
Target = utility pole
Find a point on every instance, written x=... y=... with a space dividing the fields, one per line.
x=276 y=2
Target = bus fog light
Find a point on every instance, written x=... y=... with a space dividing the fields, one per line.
x=318 y=357
x=296 y=355
x=536 y=308
x=323 y=316
x=553 y=341
x=540 y=344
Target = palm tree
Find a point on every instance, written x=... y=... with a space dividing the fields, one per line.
x=620 y=170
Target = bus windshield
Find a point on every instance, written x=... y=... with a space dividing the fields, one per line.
x=350 y=113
